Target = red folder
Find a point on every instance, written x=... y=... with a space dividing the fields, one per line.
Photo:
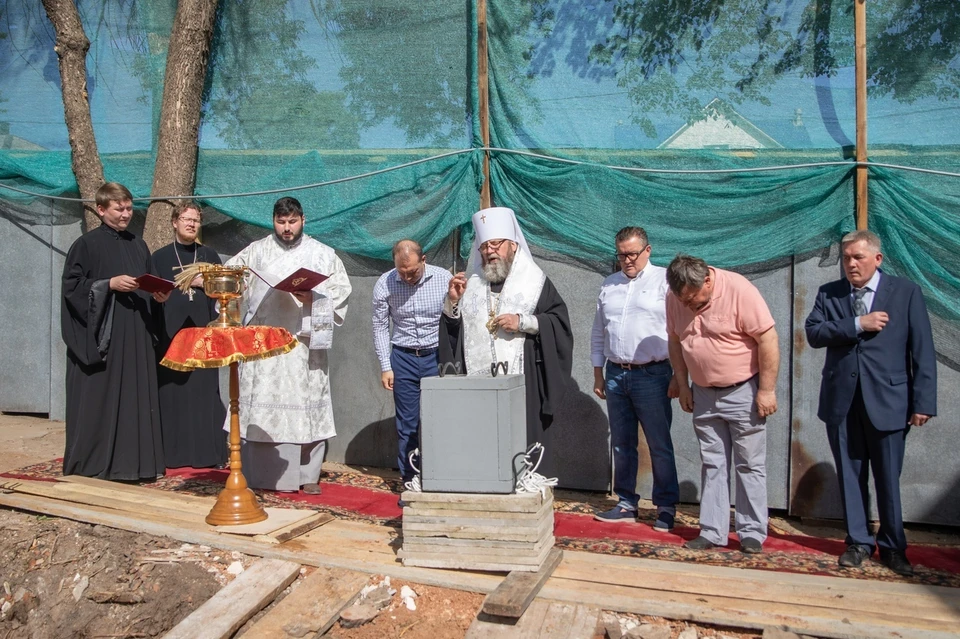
x=303 y=279
x=153 y=284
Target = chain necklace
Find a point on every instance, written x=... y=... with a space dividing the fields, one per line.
x=177 y=253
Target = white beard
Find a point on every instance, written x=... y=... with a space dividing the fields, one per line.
x=496 y=272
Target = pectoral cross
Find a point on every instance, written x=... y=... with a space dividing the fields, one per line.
x=190 y=295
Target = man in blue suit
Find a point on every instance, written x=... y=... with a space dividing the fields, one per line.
x=879 y=380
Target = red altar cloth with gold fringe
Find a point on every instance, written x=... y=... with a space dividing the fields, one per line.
x=216 y=346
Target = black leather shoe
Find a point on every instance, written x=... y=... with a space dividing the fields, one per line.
x=700 y=543
x=896 y=561
x=854 y=555
x=750 y=546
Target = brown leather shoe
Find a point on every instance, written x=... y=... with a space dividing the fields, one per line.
x=312 y=489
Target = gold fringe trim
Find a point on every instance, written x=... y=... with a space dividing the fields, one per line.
x=193 y=364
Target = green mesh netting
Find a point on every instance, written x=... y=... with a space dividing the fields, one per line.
x=302 y=92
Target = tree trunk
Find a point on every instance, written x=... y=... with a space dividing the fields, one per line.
x=176 y=168
x=71 y=47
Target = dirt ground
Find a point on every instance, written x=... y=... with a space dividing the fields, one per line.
x=64 y=580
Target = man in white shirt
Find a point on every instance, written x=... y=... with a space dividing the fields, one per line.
x=629 y=339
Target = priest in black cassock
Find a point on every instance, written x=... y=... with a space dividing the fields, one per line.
x=504 y=309
x=191 y=411
x=112 y=411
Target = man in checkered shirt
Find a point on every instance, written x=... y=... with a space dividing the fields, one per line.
x=410 y=297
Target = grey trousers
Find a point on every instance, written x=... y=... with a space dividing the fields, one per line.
x=284 y=467
x=727 y=424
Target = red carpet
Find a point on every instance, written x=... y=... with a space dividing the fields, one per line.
x=373 y=499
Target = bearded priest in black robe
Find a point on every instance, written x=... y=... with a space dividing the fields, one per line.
x=191 y=411
x=504 y=309
x=112 y=411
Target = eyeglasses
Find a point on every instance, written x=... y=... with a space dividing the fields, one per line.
x=632 y=255
x=190 y=220
x=491 y=245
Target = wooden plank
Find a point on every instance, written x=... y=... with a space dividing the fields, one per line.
x=500 y=533
x=223 y=614
x=54 y=491
x=542 y=620
x=295 y=530
x=507 y=561
x=131 y=489
x=415 y=511
x=569 y=621
x=427 y=545
x=459 y=545
x=468 y=518
x=148 y=498
x=754 y=613
x=277 y=518
x=471 y=562
x=300 y=549
x=778 y=586
x=512 y=597
x=312 y=607
x=526 y=627
x=519 y=502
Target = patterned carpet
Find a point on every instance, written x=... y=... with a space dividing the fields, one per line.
x=370 y=498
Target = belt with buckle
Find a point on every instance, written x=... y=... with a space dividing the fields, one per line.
x=417 y=352
x=631 y=367
x=732 y=386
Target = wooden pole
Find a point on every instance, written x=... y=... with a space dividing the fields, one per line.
x=860 y=43
x=483 y=87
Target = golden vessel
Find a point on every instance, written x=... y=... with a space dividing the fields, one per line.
x=225 y=284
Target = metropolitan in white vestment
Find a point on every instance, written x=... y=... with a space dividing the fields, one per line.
x=286 y=414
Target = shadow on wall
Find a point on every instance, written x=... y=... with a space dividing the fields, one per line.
x=946 y=510
x=817 y=493
x=689 y=492
x=374 y=445
x=583 y=438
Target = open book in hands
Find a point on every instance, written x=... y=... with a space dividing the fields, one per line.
x=303 y=279
x=153 y=284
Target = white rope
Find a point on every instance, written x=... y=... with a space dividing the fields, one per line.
x=529 y=480
x=414 y=484
x=614 y=167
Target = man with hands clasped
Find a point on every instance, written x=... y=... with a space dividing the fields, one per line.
x=879 y=380
x=722 y=335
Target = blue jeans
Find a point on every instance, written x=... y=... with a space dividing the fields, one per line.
x=408 y=370
x=640 y=395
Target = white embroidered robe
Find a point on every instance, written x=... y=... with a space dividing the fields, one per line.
x=286 y=399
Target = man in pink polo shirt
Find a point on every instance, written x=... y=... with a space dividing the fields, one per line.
x=721 y=334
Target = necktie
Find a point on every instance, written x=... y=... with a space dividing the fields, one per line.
x=859 y=306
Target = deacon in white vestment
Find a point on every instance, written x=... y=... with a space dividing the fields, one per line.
x=286 y=414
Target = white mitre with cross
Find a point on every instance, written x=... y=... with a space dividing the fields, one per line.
x=497 y=223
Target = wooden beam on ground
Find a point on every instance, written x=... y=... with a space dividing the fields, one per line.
x=542 y=620
x=512 y=597
x=223 y=614
x=296 y=529
x=313 y=606
x=828 y=607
